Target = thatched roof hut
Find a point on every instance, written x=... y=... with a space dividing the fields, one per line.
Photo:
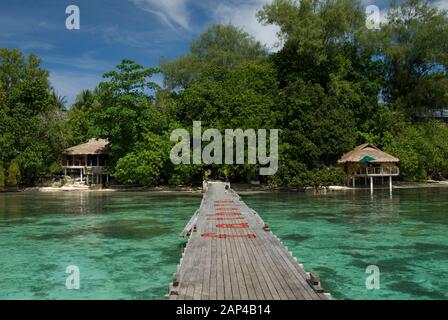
x=367 y=153
x=92 y=147
x=89 y=159
x=367 y=161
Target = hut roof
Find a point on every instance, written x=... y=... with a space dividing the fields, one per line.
x=367 y=150
x=93 y=146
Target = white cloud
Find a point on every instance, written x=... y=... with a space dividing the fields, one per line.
x=244 y=15
x=441 y=4
x=172 y=12
x=35 y=45
x=175 y=13
x=84 y=61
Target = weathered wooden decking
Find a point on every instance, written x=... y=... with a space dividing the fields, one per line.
x=232 y=254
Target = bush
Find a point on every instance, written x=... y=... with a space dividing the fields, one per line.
x=326 y=177
x=294 y=174
x=183 y=174
x=14 y=174
x=145 y=165
x=139 y=168
x=2 y=175
x=422 y=150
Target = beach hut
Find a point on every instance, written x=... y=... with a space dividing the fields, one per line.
x=368 y=162
x=88 y=160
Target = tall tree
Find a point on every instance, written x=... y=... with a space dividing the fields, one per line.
x=30 y=121
x=414 y=48
x=2 y=175
x=329 y=82
x=221 y=46
x=80 y=117
x=126 y=99
x=14 y=174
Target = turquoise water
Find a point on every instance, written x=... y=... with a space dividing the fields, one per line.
x=338 y=235
x=126 y=245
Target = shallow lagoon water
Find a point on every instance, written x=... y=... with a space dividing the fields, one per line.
x=339 y=235
x=126 y=245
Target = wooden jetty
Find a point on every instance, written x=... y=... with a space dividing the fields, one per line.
x=233 y=255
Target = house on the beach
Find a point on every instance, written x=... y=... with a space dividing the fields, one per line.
x=88 y=161
x=366 y=161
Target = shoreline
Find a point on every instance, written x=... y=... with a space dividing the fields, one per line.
x=241 y=188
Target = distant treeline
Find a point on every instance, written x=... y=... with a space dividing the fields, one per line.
x=333 y=84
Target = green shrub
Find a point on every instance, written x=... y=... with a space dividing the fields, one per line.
x=14 y=174
x=422 y=150
x=145 y=165
x=2 y=175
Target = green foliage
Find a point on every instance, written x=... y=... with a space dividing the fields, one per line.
x=325 y=177
x=79 y=122
x=15 y=67
x=423 y=151
x=413 y=46
x=328 y=82
x=186 y=175
x=334 y=84
x=30 y=115
x=130 y=79
x=144 y=166
x=221 y=46
x=125 y=106
x=226 y=103
x=296 y=175
x=14 y=174
x=139 y=168
x=2 y=175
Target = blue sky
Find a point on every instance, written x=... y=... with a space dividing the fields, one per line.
x=143 y=30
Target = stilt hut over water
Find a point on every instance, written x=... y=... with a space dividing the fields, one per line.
x=88 y=160
x=368 y=162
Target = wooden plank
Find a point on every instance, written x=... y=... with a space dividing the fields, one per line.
x=255 y=271
x=267 y=286
x=272 y=269
x=183 y=272
x=213 y=270
x=198 y=271
x=235 y=266
x=192 y=271
x=294 y=277
x=290 y=266
x=228 y=295
x=288 y=281
x=219 y=271
x=207 y=272
x=253 y=275
x=190 y=224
